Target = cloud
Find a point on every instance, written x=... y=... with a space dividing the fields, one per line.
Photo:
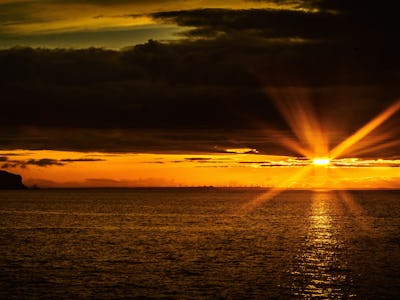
x=207 y=92
x=334 y=21
x=367 y=163
x=105 y=37
x=139 y=140
x=269 y=23
x=55 y=23
x=43 y=162
x=193 y=96
x=69 y=160
x=198 y=159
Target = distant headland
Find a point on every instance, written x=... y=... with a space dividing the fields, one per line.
x=11 y=181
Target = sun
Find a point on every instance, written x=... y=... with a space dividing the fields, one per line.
x=321 y=161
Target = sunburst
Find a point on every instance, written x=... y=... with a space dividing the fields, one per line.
x=308 y=130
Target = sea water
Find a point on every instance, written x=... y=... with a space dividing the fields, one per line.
x=199 y=243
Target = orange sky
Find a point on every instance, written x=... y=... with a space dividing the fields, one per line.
x=228 y=169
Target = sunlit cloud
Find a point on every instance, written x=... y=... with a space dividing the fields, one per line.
x=242 y=150
x=36 y=17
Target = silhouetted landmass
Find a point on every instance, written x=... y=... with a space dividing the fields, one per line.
x=11 y=181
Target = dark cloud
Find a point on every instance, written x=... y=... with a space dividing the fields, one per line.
x=69 y=160
x=12 y=154
x=207 y=93
x=353 y=7
x=201 y=96
x=335 y=21
x=139 y=140
x=353 y=35
x=198 y=159
x=269 y=23
x=43 y=162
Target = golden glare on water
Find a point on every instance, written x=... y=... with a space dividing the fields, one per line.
x=321 y=161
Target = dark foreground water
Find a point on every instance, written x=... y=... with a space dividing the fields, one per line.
x=199 y=243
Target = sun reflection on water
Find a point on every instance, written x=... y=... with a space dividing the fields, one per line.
x=320 y=269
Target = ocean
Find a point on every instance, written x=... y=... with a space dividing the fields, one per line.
x=199 y=243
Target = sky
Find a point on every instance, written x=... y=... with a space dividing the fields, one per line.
x=122 y=93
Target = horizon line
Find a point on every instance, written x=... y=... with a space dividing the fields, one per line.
x=214 y=187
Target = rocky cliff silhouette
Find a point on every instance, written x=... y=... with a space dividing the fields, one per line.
x=11 y=181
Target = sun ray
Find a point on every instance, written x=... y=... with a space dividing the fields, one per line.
x=289 y=143
x=271 y=193
x=346 y=146
x=310 y=139
x=300 y=115
x=356 y=211
x=374 y=148
x=381 y=139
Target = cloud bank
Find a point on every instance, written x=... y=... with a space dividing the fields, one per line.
x=210 y=90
